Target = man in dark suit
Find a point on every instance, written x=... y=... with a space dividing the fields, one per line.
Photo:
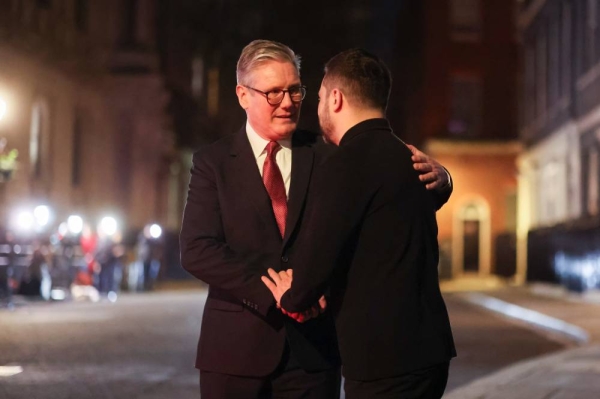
x=244 y=209
x=370 y=236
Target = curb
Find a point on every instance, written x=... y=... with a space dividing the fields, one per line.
x=571 y=332
x=508 y=378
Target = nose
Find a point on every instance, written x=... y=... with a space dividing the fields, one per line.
x=287 y=101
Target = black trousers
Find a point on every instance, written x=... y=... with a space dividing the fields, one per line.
x=289 y=381
x=428 y=383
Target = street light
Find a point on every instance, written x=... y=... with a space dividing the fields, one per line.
x=108 y=226
x=75 y=224
x=155 y=231
x=42 y=216
x=23 y=222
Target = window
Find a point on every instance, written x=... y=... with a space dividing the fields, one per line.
x=529 y=100
x=466 y=20
x=38 y=126
x=129 y=22
x=566 y=50
x=76 y=163
x=590 y=33
x=592 y=197
x=213 y=91
x=46 y=4
x=550 y=195
x=197 y=76
x=541 y=66
x=554 y=63
x=81 y=15
x=466 y=107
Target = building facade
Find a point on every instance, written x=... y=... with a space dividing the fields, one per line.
x=463 y=112
x=85 y=109
x=560 y=124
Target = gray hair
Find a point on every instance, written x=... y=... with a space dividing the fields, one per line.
x=261 y=51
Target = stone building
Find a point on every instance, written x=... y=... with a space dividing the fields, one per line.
x=462 y=106
x=86 y=109
x=560 y=126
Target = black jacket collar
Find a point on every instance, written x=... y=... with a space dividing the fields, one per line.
x=366 y=126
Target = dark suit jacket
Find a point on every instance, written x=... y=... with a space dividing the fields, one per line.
x=228 y=239
x=370 y=233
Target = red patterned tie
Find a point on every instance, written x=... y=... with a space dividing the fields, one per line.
x=274 y=185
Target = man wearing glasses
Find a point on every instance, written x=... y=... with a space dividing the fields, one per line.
x=244 y=210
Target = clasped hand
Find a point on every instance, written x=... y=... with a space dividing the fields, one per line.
x=279 y=283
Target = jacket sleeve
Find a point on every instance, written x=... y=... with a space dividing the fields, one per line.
x=331 y=218
x=204 y=251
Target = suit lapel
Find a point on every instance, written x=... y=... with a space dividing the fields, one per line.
x=302 y=164
x=246 y=176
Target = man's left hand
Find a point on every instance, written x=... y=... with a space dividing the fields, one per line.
x=430 y=170
x=278 y=284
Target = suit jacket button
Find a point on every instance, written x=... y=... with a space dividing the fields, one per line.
x=285 y=259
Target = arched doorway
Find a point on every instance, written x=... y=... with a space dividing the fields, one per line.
x=471 y=239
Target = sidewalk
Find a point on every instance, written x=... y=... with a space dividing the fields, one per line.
x=571 y=374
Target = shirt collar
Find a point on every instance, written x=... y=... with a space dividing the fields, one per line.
x=258 y=143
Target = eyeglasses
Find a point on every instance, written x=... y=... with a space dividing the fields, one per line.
x=275 y=97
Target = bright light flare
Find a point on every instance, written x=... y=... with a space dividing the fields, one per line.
x=108 y=226
x=155 y=231
x=75 y=224
x=24 y=221
x=41 y=214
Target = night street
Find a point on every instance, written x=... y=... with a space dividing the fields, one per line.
x=144 y=346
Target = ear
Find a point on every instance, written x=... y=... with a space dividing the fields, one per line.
x=337 y=100
x=242 y=94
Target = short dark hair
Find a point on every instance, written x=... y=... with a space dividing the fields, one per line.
x=361 y=76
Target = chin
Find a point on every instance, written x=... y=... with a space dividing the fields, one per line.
x=287 y=130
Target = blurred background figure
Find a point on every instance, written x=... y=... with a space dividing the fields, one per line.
x=36 y=281
x=88 y=243
x=108 y=258
x=67 y=256
x=6 y=268
x=144 y=272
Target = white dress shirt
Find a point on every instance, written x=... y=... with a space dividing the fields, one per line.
x=283 y=157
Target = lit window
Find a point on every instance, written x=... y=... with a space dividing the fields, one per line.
x=38 y=124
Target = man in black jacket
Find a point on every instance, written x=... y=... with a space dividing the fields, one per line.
x=370 y=236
